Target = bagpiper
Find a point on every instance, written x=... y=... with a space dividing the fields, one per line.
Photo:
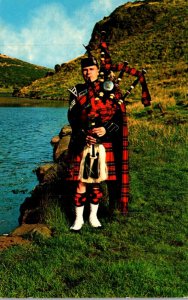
x=98 y=148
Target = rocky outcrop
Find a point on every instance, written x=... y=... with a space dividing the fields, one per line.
x=52 y=187
x=60 y=143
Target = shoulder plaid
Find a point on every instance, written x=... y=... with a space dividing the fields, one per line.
x=74 y=91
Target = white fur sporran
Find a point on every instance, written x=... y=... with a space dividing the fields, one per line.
x=93 y=169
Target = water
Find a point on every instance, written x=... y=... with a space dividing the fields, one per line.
x=25 y=135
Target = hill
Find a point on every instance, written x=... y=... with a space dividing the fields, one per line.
x=150 y=34
x=142 y=254
x=15 y=73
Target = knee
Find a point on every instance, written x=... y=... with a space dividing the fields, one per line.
x=81 y=188
x=95 y=195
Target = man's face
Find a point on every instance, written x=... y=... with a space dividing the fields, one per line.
x=90 y=73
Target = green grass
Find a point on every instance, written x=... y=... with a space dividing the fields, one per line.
x=145 y=253
x=8 y=101
x=148 y=34
x=17 y=73
x=141 y=255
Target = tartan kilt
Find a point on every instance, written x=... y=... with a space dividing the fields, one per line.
x=110 y=162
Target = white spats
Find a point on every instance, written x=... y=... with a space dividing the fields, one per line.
x=93 y=220
x=79 y=221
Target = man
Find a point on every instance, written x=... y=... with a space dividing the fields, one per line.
x=96 y=123
x=98 y=147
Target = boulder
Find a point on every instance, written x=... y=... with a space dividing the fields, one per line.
x=31 y=230
x=43 y=170
x=60 y=143
x=66 y=130
x=60 y=147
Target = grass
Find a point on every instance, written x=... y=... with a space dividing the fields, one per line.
x=155 y=41
x=141 y=255
x=7 y=101
x=17 y=73
x=145 y=253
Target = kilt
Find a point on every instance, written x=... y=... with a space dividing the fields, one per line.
x=110 y=162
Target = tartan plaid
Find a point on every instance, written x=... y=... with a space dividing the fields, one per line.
x=107 y=64
x=74 y=167
x=75 y=164
x=110 y=161
x=95 y=195
x=123 y=201
x=79 y=199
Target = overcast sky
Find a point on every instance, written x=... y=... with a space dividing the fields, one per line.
x=49 y=32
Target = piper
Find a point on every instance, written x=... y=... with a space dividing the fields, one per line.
x=98 y=147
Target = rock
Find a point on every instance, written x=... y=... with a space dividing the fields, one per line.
x=51 y=172
x=66 y=130
x=30 y=230
x=46 y=195
x=60 y=143
x=42 y=171
x=55 y=140
x=52 y=187
x=61 y=147
x=19 y=235
x=31 y=211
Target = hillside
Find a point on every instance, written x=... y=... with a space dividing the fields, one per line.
x=142 y=254
x=15 y=73
x=149 y=34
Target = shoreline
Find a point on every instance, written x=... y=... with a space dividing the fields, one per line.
x=10 y=101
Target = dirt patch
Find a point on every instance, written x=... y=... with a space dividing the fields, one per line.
x=16 y=237
x=8 y=241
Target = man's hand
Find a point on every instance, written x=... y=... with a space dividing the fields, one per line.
x=90 y=140
x=100 y=131
x=96 y=132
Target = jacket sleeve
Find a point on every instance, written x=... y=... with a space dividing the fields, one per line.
x=78 y=135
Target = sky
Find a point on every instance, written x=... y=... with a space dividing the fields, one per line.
x=50 y=32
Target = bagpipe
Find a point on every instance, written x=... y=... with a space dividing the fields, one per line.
x=93 y=167
x=109 y=82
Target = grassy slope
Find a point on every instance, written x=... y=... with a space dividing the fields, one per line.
x=142 y=255
x=156 y=40
x=17 y=73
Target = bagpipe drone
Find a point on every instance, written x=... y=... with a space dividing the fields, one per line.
x=108 y=79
